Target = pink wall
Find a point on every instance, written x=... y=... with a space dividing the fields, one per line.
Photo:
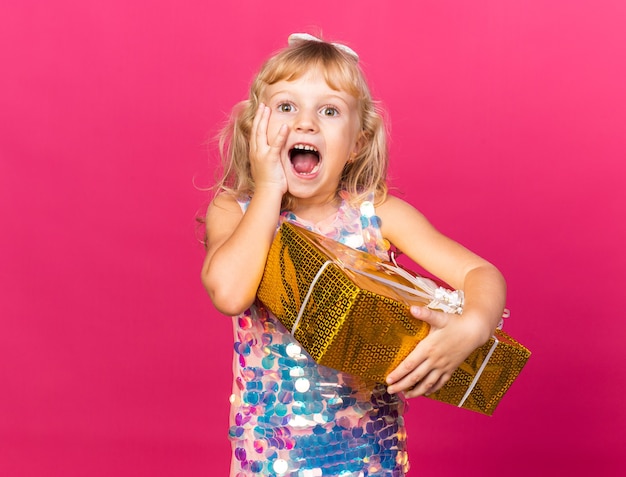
x=508 y=125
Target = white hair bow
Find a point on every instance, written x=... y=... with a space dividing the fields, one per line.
x=296 y=38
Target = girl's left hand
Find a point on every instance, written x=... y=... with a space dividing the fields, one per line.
x=265 y=152
x=429 y=366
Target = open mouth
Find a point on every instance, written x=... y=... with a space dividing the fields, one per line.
x=305 y=159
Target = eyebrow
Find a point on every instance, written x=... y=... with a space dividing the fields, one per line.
x=325 y=97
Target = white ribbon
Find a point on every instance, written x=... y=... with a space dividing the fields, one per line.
x=440 y=298
x=308 y=295
x=479 y=372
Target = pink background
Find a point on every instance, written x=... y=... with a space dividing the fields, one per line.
x=508 y=124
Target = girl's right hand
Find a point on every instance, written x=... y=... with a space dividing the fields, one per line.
x=265 y=154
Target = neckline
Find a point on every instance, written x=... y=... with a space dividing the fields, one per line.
x=327 y=222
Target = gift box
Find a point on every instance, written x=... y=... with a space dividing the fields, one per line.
x=350 y=311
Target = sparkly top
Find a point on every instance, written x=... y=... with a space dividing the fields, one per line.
x=293 y=417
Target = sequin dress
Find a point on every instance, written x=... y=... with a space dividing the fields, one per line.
x=292 y=417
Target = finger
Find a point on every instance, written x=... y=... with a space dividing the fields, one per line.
x=407 y=375
x=254 y=132
x=424 y=386
x=419 y=356
x=281 y=138
x=257 y=117
x=261 y=132
x=435 y=319
x=407 y=366
x=443 y=379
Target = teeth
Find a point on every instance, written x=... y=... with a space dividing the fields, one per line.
x=304 y=147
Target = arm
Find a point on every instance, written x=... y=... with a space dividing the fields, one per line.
x=452 y=337
x=237 y=243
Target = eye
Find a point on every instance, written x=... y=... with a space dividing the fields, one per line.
x=330 y=111
x=285 y=108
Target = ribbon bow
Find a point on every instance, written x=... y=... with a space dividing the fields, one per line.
x=296 y=38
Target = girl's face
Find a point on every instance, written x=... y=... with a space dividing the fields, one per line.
x=324 y=127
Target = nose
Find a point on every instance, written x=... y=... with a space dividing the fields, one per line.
x=306 y=122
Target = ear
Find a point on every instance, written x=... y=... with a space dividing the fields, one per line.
x=358 y=145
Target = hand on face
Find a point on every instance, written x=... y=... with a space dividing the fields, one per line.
x=265 y=153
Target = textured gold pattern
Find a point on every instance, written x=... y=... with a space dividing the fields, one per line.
x=356 y=324
x=503 y=366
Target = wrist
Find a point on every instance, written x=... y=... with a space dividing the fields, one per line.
x=478 y=328
x=270 y=192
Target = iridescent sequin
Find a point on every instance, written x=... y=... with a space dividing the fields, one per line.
x=292 y=417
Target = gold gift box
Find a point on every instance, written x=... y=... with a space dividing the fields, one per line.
x=351 y=313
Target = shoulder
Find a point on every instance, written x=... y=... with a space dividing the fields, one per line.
x=400 y=219
x=225 y=202
x=224 y=208
x=222 y=217
x=394 y=208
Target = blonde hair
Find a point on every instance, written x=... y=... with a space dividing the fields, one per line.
x=364 y=175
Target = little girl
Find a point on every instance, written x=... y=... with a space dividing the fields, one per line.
x=308 y=146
